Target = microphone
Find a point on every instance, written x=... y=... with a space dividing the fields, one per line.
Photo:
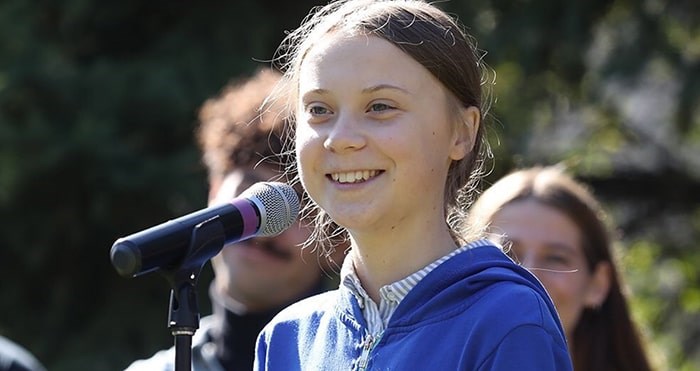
x=265 y=209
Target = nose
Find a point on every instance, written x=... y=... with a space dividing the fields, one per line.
x=345 y=135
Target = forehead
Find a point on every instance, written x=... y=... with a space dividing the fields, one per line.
x=535 y=222
x=362 y=60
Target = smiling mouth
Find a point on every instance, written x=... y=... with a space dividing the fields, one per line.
x=354 y=176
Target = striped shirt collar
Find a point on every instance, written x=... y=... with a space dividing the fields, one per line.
x=392 y=294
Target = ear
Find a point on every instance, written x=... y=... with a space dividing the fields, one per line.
x=464 y=135
x=599 y=286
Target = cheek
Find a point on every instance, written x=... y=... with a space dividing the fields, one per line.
x=562 y=289
x=294 y=237
x=305 y=144
x=225 y=261
x=560 y=292
x=566 y=292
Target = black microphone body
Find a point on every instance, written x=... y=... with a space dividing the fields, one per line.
x=264 y=209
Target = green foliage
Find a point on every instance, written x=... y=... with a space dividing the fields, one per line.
x=98 y=102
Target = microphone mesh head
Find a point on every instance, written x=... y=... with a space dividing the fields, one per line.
x=278 y=204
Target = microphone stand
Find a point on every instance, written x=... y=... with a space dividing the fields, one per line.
x=183 y=319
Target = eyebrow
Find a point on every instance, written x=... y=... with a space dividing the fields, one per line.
x=375 y=88
x=368 y=90
x=562 y=247
x=559 y=246
x=318 y=91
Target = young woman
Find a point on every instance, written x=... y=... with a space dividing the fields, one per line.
x=389 y=141
x=556 y=228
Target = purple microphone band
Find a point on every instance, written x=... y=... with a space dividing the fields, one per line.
x=250 y=225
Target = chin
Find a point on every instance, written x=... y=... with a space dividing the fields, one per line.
x=361 y=225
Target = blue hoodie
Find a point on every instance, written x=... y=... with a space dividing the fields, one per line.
x=476 y=311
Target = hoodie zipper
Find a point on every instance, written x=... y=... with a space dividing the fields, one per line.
x=369 y=344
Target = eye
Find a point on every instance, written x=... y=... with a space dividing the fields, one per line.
x=316 y=113
x=556 y=259
x=317 y=110
x=556 y=263
x=380 y=107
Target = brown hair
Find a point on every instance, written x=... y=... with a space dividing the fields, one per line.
x=234 y=132
x=605 y=338
x=431 y=37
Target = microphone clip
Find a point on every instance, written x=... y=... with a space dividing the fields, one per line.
x=208 y=238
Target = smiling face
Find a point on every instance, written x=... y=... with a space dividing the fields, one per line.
x=374 y=134
x=549 y=243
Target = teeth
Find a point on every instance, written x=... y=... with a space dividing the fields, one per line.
x=353 y=176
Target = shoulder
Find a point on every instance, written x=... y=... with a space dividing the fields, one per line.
x=17 y=357
x=512 y=313
x=495 y=293
x=307 y=308
x=303 y=317
x=501 y=299
x=514 y=326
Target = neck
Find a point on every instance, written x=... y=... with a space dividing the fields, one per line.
x=384 y=257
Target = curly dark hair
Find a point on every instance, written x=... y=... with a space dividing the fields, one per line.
x=234 y=131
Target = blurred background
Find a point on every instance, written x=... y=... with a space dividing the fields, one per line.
x=98 y=103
